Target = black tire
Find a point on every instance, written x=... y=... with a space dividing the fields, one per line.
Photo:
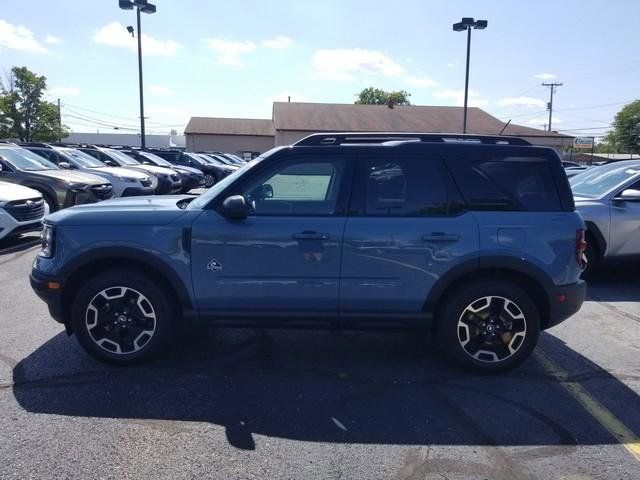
x=457 y=310
x=592 y=254
x=111 y=319
x=53 y=206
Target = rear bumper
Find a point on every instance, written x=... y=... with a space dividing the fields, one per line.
x=40 y=283
x=564 y=301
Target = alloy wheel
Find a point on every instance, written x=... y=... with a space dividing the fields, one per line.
x=492 y=329
x=209 y=180
x=120 y=320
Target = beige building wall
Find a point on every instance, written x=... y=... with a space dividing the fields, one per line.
x=228 y=143
x=289 y=137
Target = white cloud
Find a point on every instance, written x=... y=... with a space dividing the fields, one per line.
x=521 y=102
x=540 y=121
x=18 y=37
x=160 y=90
x=474 y=100
x=52 y=40
x=62 y=91
x=545 y=76
x=228 y=51
x=343 y=64
x=451 y=65
x=278 y=43
x=115 y=34
x=420 y=81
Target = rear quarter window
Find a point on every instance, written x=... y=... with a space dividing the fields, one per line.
x=507 y=183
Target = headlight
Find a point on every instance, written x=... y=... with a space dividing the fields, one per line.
x=47 y=238
x=125 y=179
x=77 y=187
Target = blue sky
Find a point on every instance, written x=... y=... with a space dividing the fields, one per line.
x=213 y=58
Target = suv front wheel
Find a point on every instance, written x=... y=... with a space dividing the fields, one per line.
x=488 y=326
x=121 y=317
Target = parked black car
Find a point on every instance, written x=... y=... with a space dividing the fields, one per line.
x=191 y=177
x=59 y=188
x=212 y=172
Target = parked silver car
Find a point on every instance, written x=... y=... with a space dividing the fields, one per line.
x=608 y=198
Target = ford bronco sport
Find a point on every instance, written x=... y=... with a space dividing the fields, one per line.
x=473 y=237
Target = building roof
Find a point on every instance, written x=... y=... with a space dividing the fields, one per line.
x=328 y=117
x=230 y=126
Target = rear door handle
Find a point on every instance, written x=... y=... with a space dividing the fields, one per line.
x=310 y=236
x=440 y=237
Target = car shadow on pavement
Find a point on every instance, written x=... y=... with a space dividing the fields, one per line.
x=19 y=243
x=346 y=387
x=616 y=282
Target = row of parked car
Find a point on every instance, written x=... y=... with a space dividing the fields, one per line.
x=38 y=178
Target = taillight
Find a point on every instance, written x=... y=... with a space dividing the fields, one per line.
x=581 y=246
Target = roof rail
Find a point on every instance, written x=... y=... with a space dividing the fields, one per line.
x=319 y=139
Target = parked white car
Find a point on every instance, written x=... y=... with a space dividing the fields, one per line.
x=21 y=209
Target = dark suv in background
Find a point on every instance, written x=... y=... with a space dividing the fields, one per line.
x=213 y=171
x=191 y=177
x=59 y=188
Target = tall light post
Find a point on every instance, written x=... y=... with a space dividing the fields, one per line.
x=467 y=24
x=145 y=7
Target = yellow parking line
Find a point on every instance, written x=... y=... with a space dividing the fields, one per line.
x=619 y=430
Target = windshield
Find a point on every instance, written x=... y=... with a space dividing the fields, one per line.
x=23 y=159
x=213 y=160
x=218 y=159
x=599 y=181
x=155 y=159
x=121 y=157
x=82 y=159
x=199 y=160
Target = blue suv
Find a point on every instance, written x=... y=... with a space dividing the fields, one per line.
x=473 y=237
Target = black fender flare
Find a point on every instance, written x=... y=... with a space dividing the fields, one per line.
x=487 y=264
x=135 y=255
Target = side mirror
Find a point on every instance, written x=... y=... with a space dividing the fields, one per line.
x=629 y=195
x=65 y=165
x=235 y=207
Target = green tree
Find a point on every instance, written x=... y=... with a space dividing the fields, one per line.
x=376 y=96
x=625 y=136
x=24 y=113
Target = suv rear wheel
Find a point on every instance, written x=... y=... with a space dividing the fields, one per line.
x=488 y=326
x=121 y=317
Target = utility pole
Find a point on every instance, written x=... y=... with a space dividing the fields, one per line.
x=59 y=123
x=552 y=87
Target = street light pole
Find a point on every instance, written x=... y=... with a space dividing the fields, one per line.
x=466 y=82
x=145 y=7
x=467 y=24
x=142 y=137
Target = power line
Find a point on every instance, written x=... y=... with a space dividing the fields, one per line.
x=104 y=114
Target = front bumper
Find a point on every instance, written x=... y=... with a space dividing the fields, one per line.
x=191 y=182
x=137 y=191
x=41 y=285
x=564 y=301
x=168 y=185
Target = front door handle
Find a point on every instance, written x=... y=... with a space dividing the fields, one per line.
x=440 y=237
x=310 y=236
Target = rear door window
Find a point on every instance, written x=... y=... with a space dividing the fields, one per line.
x=511 y=183
x=403 y=187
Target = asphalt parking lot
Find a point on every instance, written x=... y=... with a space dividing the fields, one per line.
x=283 y=404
